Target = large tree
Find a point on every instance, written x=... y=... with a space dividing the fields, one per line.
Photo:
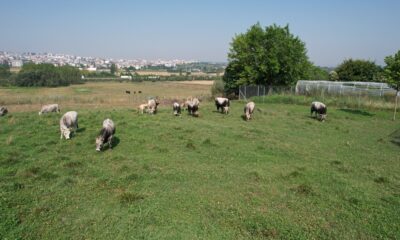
x=358 y=71
x=392 y=73
x=267 y=56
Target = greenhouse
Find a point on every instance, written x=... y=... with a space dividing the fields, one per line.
x=344 y=88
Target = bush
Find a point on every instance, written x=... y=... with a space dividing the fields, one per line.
x=218 y=88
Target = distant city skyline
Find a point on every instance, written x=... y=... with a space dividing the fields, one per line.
x=198 y=30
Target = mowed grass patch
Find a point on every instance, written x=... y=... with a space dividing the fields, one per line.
x=281 y=175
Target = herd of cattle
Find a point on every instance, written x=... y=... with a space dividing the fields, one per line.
x=69 y=121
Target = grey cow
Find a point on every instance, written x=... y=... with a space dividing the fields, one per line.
x=106 y=134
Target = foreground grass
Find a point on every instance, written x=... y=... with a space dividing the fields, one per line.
x=281 y=175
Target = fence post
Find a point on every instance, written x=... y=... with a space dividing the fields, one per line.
x=329 y=87
x=264 y=95
x=258 y=90
x=245 y=92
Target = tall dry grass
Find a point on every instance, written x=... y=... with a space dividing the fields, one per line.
x=99 y=94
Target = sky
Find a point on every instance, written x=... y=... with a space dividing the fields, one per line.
x=197 y=30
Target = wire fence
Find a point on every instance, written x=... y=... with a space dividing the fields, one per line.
x=342 y=94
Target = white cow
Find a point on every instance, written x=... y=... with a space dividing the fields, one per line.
x=68 y=123
x=49 y=108
x=249 y=109
x=143 y=107
x=152 y=105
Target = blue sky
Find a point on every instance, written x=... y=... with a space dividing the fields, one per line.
x=201 y=30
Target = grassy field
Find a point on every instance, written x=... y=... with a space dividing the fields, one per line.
x=282 y=175
x=100 y=94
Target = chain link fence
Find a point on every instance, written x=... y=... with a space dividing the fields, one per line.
x=353 y=94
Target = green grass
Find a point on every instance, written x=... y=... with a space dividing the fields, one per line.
x=282 y=175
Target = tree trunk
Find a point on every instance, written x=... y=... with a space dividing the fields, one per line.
x=395 y=106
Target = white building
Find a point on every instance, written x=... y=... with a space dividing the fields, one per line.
x=16 y=63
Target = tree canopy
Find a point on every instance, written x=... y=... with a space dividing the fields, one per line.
x=38 y=75
x=113 y=68
x=267 y=56
x=392 y=73
x=358 y=71
x=392 y=70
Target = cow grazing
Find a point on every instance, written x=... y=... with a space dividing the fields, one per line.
x=143 y=107
x=128 y=92
x=49 y=108
x=139 y=91
x=193 y=106
x=106 y=135
x=152 y=105
x=319 y=109
x=222 y=104
x=248 y=110
x=68 y=123
x=3 y=111
x=176 y=107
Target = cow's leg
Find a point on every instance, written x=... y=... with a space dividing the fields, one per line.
x=110 y=141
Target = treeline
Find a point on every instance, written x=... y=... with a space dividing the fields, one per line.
x=140 y=78
x=42 y=75
x=206 y=67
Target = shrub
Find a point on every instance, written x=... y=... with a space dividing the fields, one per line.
x=218 y=88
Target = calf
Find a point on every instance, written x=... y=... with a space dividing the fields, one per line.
x=68 y=123
x=222 y=104
x=319 y=109
x=176 y=107
x=193 y=107
x=152 y=105
x=143 y=108
x=3 y=111
x=248 y=110
x=106 y=134
x=49 y=108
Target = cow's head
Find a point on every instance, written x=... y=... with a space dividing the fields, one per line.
x=322 y=117
x=248 y=115
x=66 y=133
x=99 y=143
